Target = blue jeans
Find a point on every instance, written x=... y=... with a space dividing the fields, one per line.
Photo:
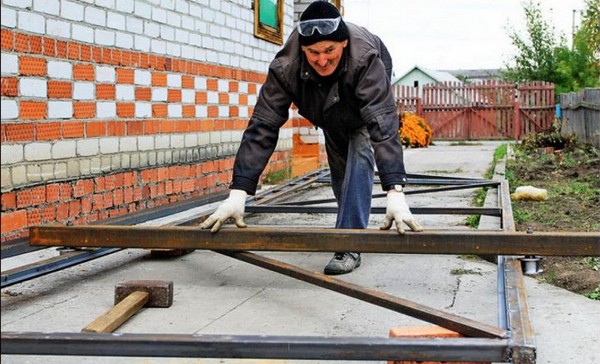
x=352 y=165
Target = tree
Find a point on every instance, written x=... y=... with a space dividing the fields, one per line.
x=541 y=57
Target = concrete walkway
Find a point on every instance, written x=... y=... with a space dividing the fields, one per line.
x=215 y=294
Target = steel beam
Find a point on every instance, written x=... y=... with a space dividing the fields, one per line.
x=250 y=347
x=447 y=320
x=320 y=240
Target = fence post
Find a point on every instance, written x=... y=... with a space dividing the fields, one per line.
x=516 y=121
x=420 y=108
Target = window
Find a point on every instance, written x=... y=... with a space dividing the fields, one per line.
x=268 y=20
x=416 y=84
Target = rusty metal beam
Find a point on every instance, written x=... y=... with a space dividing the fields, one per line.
x=255 y=346
x=320 y=240
x=465 y=326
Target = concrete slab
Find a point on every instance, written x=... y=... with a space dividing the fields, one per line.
x=215 y=294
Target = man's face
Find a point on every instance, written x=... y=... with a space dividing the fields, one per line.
x=324 y=56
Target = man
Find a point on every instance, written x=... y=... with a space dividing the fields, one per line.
x=338 y=75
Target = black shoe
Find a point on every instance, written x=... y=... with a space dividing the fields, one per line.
x=342 y=263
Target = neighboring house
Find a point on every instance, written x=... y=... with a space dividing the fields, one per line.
x=473 y=76
x=418 y=76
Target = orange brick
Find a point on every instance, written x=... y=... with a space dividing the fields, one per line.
x=61 y=49
x=73 y=129
x=73 y=51
x=84 y=109
x=84 y=72
x=32 y=110
x=53 y=192
x=60 y=89
x=7 y=40
x=233 y=86
x=187 y=82
x=425 y=332
x=125 y=75
x=223 y=98
x=22 y=43
x=95 y=129
x=159 y=110
x=105 y=92
x=213 y=111
x=20 y=132
x=10 y=86
x=49 y=47
x=201 y=97
x=188 y=111
x=252 y=89
x=35 y=44
x=159 y=79
x=143 y=94
x=9 y=201
x=125 y=109
x=243 y=99
x=47 y=131
x=212 y=84
x=173 y=95
x=31 y=66
x=12 y=221
x=86 y=52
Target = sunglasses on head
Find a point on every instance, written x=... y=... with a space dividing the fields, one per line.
x=324 y=26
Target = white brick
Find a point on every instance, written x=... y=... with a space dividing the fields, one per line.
x=133 y=24
x=159 y=94
x=51 y=7
x=174 y=19
x=143 y=110
x=161 y=142
x=9 y=17
x=71 y=10
x=175 y=111
x=223 y=111
x=87 y=147
x=187 y=23
x=128 y=144
x=188 y=96
x=182 y=36
x=11 y=153
x=167 y=4
x=243 y=111
x=83 y=33
x=84 y=91
x=23 y=4
x=19 y=175
x=201 y=111
x=214 y=137
x=124 y=40
x=58 y=28
x=152 y=29
x=203 y=139
x=141 y=43
x=167 y=32
x=107 y=4
x=64 y=149
x=174 y=80
x=145 y=143
x=115 y=21
x=195 y=10
x=191 y=140
x=182 y=6
x=159 y=15
x=95 y=16
x=106 y=109
x=31 y=22
x=125 y=93
x=173 y=49
x=9 y=64
x=142 y=77
x=109 y=145
x=223 y=85
x=104 y=37
x=125 y=6
x=57 y=69
x=33 y=87
x=10 y=109
x=105 y=74
x=251 y=100
x=142 y=10
x=234 y=98
x=187 y=51
x=176 y=141
x=212 y=97
x=37 y=151
x=60 y=109
x=158 y=46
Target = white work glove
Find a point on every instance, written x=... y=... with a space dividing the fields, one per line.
x=397 y=210
x=232 y=207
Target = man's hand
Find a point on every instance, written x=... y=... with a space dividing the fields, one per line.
x=232 y=207
x=397 y=210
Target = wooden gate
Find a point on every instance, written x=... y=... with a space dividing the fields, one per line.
x=487 y=110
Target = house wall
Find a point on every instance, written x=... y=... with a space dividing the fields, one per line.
x=109 y=106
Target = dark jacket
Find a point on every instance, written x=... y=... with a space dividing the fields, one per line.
x=360 y=96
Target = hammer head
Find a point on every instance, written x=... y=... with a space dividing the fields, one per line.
x=161 y=292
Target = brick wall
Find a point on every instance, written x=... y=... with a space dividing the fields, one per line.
x=109 y=107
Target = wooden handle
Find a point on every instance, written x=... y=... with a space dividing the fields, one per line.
x=120 y=313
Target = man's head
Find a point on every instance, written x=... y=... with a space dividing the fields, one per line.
x=323 y=36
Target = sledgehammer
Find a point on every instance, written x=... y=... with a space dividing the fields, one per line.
x=130 y=297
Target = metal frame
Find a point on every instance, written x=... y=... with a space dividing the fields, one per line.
x=512 y=341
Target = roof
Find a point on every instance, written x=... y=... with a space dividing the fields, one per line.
x=439 y=76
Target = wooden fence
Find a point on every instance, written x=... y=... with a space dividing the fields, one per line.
x=581 y=115
x=486 y=110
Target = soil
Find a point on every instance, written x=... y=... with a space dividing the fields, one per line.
x=572 y=180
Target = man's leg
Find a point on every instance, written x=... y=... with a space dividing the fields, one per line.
x=352 y=172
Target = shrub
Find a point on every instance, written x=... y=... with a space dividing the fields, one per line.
x=414 y=131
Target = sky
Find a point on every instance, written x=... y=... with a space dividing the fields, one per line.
x=454 y=34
